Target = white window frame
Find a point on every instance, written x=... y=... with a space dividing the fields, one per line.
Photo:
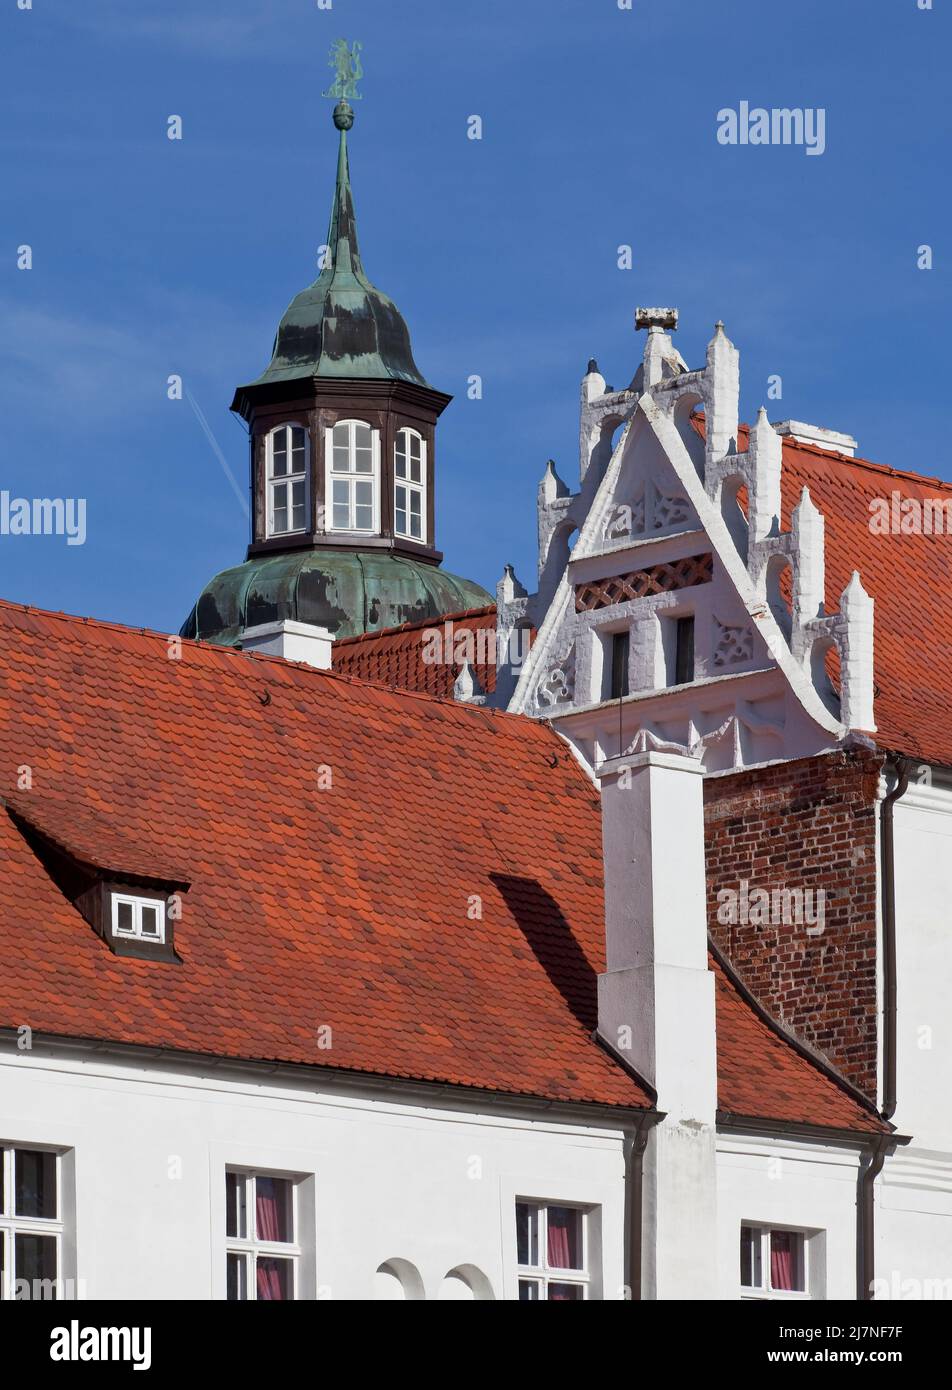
x=249 y=1246
x=765 y=1290
x=545 y=1274
x=272 y=481
x=137 y=903
x=352 y=476
x=12 y=1225
x=417 y=489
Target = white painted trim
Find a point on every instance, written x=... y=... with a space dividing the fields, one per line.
x=352 y=476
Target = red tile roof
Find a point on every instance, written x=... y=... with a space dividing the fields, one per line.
x=438 y=906
x=395 y=655
x=908 y=576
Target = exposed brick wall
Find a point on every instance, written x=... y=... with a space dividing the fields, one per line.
x=803 y=825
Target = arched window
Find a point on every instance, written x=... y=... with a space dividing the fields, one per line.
x=352 y=477
x=287 y=480
x=409 y=487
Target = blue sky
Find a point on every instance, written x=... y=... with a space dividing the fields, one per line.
x=154 y=257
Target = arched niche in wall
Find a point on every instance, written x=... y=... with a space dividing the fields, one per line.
x=684 y=408
x=779 y=591
x=396 y=1281
x=465 y=1284
x=608 y=437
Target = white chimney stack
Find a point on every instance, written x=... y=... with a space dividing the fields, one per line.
x=293 y=640
x=656 y=1003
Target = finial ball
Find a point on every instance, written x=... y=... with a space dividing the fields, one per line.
x=343 y=115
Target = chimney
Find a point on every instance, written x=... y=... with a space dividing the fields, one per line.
x=293 y=640
x=656 y=1003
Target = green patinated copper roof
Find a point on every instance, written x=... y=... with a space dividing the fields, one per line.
x=348 y=592
x=342 y=325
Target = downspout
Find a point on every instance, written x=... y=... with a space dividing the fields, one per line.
x=888 y=889
x=634 y=1203
x=865 y=1217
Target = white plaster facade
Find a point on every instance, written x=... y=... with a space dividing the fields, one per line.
x=423 y=1191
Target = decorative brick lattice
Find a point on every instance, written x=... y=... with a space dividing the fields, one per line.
x=660 y=579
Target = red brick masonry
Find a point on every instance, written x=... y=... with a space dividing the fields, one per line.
x=810 y=825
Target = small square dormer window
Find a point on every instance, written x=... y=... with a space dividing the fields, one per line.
x=138 y=919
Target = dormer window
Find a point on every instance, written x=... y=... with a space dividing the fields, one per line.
x=409 y=490
x=138 y=919
x=287 y=480
x=352 y=476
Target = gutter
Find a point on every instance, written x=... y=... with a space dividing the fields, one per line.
x=887 y=877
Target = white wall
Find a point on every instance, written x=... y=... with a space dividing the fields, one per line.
x=914 y=1220
x=802 y=1184
x=433 y=1186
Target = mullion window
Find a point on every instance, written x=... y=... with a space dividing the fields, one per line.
x=287 y=480
x=352 y=475
x=409 y=491
x=552 y=1253
x=773 y=1261
x=262 y=1253
x=30 y=1226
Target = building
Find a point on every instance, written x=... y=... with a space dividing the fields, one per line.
x=370 y=940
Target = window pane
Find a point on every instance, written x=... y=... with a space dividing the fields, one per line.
x=364 y=493
x=236 y=1206
x=401 y=522
x=341 y=435
x=150 y=921
x=341 y=517
x=279 y=453
x=527 y=1234
x=297 y=449
x=237 y=1290
x=364 y=461
x=35 y=1262
x=750 y=1276
x=400 y=466
x=274 y=1278
x=124 y=917
x=341 y=463
x=297 y=505
x=279 y=511
x=273 y=1209
x=528 y=1290
x=565 y=1293
x=786 y=1260
x=35 y=1183
x=564 y=1237
x=362 y=436
x=364 y=519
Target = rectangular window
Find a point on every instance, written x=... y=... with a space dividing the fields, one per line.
x=551 y=1251
x=618 y=672
x=684 y=651
x=261 y=1223
x=409 y=495
x=138 y=919
x=351 y=472
x=773 y=1262
x=287 y=480
x=30 y=1227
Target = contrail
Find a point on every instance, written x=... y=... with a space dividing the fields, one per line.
x=242 y=499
